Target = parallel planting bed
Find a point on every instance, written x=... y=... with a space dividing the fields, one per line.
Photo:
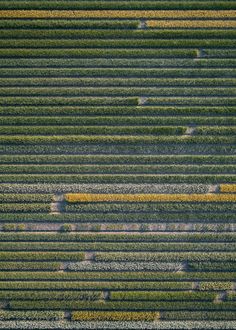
x=117 y=166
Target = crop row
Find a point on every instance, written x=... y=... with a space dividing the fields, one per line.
x=110 y=14
x=90 y=198
x=117 y=91
x=114 y=316
x=161 y=279
x=188 y=24
x=24 y=207
x=115 y=178
x=31 y=315
x=87 y=120
x=115 y=34
x=117 y=82
x=120 y=305
x=135 y=247
x=228 y=188
x=121 y=159
x=116 y=139
x=117 y=238
x=119 y=72
x=24 y=266
x=41 y=256
x=121 y=169
x=118 y=5
x=23 y=198
x=186 y=315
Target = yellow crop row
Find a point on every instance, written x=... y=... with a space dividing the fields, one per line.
x=228 y=188
x=89 y=198
x=118 y=14
x=114 y=316
x=190 y=24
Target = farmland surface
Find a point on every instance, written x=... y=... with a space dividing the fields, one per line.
x=118 y=164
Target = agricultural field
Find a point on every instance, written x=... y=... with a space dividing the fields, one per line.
x=118 y=164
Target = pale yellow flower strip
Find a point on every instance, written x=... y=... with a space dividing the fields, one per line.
x=114 y=316
x=83 y=198
x=191 y=24
x=228 y=188
x=118 y=14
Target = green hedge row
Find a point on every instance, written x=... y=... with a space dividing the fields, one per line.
x=116 y=91
x=117 y=72
x=165 y=295
x=115 y=178
x=117 y=34
x=165 y=257
x=24 y=207
x=118 y=43
x=72 y=237
x=67 y=24
x=116 y=121
x=31 y=315
x=205 y=315
x=116 y=139
x=118 y=82
x=110 y=159
x=93 y=53
x=129 y=247
x=118 y=169
x=23 y=266
x=112 y=277
x=41 y=256
x=25 y=198
x=120 y=5
x=95 y=130
x=119 y=305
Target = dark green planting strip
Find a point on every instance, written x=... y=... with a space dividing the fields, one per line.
x=66 y=24
x=143 y=121
x=120 y=73
x=28 y=266
x=65 y=237
x=116 y=91
x=223 y=53
x=160 y=149
x=197 y=216
x=25 y=198
x=118 y=58
x=96 y=52
x=120 y=5
x=204 y=315
x=42 y=256
x=124 y=305
x=28 y=83
x=113 y=115
x=120 y=43
x=161 y=256
x=24 y=207
x=75 y=34
x=116 y=178
x=118 y=169
x=141 y=278
x=192 y=101
x=211 y=266
x=109 y=159
x=110 y=247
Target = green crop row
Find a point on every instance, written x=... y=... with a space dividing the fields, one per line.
x=116 y=178
x=25 y=198
x=67 y=24
x=119 y=72
x=23 y=266
x=118 y=43
x=30 y=315
x=41 y=256
x=193 y=215
x=135 y=247
x=118 y=169
x=161 y=295
x=218 y=286
x=211 y=266
x=116 y=91
x=215 y=131
x=204 y=315
x=24 y=207
x=115 y=238
x=109 y=159
x=114 y=316
x=118 y=58
x=83 y=285
x=80 y=34
x=75 y=53
x=190 y=101
x=96 y=130
x=164 y=257
x=119 y=305
x=82 y=121
x=161 y=279
x=119 y=5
